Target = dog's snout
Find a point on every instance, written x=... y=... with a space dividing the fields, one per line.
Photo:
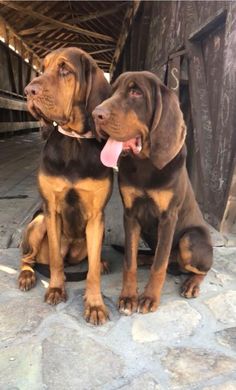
x=101 y=114
x=32 y=89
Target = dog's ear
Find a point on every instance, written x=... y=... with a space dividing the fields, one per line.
x=168 y=130
x=97 y=87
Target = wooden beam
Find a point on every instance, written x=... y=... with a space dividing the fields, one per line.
x=20 y=44
x=209 y=25
x=37 y=29
x=55 y=22
x=98 y=14
x=3 y=29
x=13 y=104
x=71 y=42
x=127 y=23
x=16 y=126
x=101 y=51
x=228 y=224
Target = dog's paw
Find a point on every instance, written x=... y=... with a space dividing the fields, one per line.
x=191 y=287
x=96 y=315
x=128 y=304
x=55 y=295
x=147 y=304
x=26 y=280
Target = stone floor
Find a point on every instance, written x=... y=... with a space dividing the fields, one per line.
x=186 y=344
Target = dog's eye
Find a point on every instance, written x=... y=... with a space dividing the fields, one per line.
x=135 y=92
x=64 y=70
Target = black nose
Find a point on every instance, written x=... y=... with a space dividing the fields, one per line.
x=32 y=89
x=101 y=114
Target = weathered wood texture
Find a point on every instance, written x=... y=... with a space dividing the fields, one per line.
x=191 y=46
x=15 y=74
x=48 y=25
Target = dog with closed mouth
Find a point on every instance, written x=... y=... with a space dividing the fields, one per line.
x=147 y=133
x=74 y=184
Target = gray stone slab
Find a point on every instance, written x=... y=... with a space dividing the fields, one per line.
x=184 y=345
x=192 y=366
x=20 y=367
x=78 y=362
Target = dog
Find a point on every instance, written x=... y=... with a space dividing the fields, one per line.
x=75 y=186
x=146 y=133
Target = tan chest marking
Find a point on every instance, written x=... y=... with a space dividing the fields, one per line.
x=92 y=193
x=129 y=195
x=161 y=198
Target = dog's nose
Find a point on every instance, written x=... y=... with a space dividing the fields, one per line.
x=32 y=89
x=101 y=114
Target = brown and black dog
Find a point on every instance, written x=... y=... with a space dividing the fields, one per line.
x=147 y=134
x=74 y=184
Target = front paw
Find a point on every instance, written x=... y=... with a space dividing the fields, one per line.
x=147 y=303
x=26 y=280
x=95 y=312
x=127 y=304
x=55 y=295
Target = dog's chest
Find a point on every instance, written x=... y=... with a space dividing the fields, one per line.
x=63 y=156
x=75 y=202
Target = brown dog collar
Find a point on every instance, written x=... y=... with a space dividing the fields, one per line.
x=73 y=133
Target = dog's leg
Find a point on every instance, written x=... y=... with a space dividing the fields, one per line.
x=128 y=299
x=56 y=290
x=31 y=244
x=195 y=256
x=95 y=310
x=150 y=299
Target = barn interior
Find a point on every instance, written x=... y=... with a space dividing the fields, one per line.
x=189 y=46
x=186 y=344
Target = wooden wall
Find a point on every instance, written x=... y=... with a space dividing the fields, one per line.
x=191 y=46
x=15 y=74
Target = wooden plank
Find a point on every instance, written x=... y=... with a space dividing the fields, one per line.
x=209 y=25
x=228 y=223
x=3 y=29
x=97 y=14
x=55 y=22
x=127 y=23
x=20 y=43
x=16 y=126
x=177 y=54
x=203 y=133
x=71 y=42
x=13 y=104
x=225 y=140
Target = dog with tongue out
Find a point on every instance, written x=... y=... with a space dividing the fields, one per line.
x=145 y=133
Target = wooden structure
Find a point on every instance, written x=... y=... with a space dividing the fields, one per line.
x=30 y=30
x=191 y=46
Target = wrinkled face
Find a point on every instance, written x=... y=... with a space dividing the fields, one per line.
x=142 y=117
x=126 y=116
x=51 y=96
x=128 y=112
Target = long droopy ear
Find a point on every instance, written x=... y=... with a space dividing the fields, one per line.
x=168 y=130
x=97 y=87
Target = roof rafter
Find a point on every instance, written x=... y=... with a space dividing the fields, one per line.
x=72 y=42
x=128 y=20
x=55 y=22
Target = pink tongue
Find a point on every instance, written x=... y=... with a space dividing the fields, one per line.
x=110 y=153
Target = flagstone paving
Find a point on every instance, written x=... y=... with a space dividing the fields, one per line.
x=186 y=344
